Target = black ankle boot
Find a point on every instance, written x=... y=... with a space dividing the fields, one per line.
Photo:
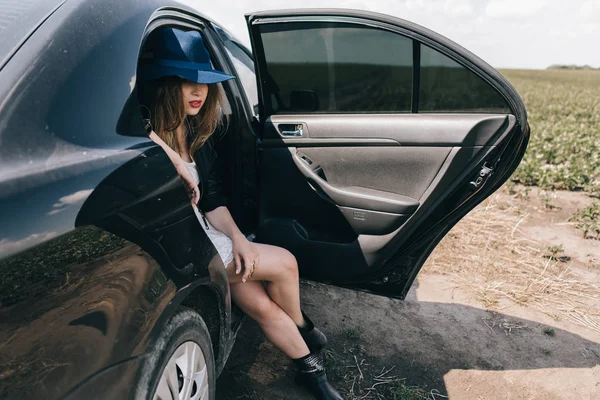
x=311 y=375
x=314 y=338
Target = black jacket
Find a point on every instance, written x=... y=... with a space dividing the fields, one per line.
x=211 y=177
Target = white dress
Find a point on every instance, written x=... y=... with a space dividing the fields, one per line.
x=221 y=241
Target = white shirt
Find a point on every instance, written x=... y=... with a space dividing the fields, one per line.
x=221 y=241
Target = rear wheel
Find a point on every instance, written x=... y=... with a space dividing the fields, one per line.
x=182 y=365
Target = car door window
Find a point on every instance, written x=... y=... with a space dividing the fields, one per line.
x=336 y=67
x=244 y=66
x=447 y=86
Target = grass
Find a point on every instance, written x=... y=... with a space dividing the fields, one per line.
x=546 y=200
x=353 y=333
x=403 y=392
x=587 y=220
x=554 y=250
x=549 y=331
x=564 y=114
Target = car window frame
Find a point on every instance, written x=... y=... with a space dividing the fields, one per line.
x=231 y=55
x=213 y=31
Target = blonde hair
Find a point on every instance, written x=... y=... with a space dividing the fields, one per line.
x=169 y=114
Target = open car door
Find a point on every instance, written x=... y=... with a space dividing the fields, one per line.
x=377 y=137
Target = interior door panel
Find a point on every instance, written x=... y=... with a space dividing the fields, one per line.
x=377 y=189
x=406 y=171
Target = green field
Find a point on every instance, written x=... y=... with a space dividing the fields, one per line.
x=564 y=114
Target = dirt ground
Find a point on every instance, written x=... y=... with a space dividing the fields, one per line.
x=456 y=336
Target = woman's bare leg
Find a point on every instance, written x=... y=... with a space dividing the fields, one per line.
x=278 y=267
x=275 y=323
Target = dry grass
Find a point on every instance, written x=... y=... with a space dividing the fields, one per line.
x=488 y=254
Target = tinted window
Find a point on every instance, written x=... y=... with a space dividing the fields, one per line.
x=447 y=86
x=244 y=67
x=336 y=67
x=243 y=64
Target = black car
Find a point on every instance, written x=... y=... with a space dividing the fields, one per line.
x=355 y=140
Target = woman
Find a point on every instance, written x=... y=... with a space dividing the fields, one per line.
x=185 y=111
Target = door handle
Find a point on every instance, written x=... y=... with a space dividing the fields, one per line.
x=295 y=130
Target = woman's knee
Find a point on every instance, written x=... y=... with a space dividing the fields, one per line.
x=289 y=264
x=261 y=308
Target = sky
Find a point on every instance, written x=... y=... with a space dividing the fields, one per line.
x=505 y=33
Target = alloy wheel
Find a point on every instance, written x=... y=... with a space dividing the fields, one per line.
x=185 y=376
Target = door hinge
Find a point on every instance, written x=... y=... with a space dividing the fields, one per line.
x=484 y=173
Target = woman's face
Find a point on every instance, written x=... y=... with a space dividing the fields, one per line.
x=194 y=96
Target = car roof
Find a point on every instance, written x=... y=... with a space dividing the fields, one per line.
x=18 y=21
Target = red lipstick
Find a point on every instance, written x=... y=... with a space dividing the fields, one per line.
x=195 y=103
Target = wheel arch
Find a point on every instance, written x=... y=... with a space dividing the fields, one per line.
x=210 y=298
x=206 y=301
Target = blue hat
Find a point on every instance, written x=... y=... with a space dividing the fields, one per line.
x=173 y=52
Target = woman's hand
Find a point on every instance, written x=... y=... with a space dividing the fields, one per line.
x=188 y=181
x=246 y=255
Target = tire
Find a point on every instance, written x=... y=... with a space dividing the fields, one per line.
x=184 y=336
